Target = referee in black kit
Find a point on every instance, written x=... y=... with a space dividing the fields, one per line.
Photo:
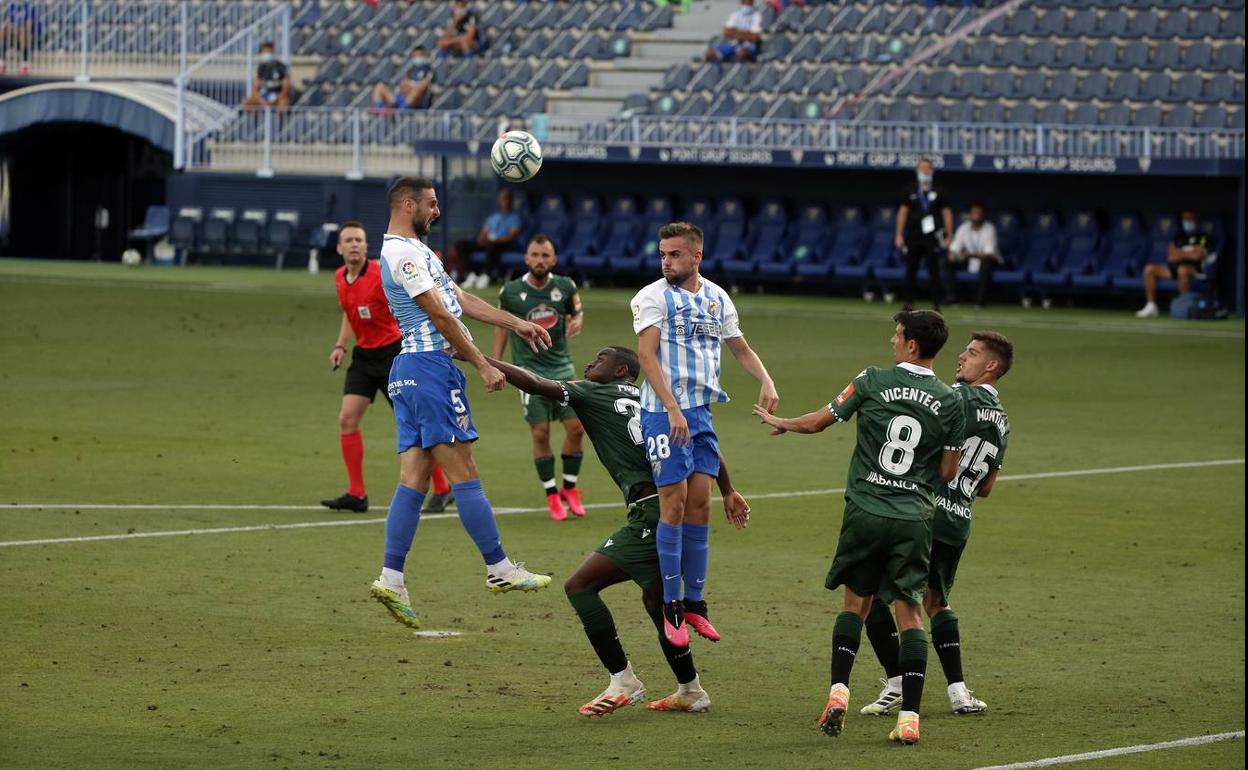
x=924 y=230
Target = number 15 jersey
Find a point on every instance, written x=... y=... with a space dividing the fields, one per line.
x=906 y=419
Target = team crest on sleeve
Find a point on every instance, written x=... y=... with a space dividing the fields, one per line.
x=845 y=394
x=408 y=268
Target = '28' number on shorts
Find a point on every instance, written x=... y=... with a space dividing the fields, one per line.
x=658 y=448
x=457 y=401
x=897 y=455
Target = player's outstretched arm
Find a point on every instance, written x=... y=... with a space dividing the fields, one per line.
x=753 y=365
x=735 y=507
x=523 y=379
x=814 y=422
x=453 y=332
x=648 y=354
x=480 y=310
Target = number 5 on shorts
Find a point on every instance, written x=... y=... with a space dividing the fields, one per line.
x=457 y=402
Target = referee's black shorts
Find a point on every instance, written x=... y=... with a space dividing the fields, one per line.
x=370 y=371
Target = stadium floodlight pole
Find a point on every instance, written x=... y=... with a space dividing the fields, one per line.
x=356 y=173
x=83 y=73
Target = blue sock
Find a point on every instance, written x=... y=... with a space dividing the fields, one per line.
x=694 y=557
x=401 y=521
x=667 y=538
x=477 y=517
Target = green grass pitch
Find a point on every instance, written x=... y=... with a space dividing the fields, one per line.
x=1098 y=611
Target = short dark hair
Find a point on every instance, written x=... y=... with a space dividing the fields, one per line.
x=541 y=238
x=681 y=229
x=925 y=327
x=267 y=44
x=406 y=187
x=352 y=223
x=1000 y=347
x=629 y=359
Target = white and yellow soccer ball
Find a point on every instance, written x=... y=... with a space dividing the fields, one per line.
x=131 y=258
x=516 y=156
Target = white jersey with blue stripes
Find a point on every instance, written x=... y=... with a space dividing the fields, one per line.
x=691 y=324
x=409 y=269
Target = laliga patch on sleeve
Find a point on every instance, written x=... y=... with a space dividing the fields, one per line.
x=637 y=311
x=845 y=394
x=408 y=268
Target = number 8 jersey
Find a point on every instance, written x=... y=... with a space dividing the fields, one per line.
x=906 y=419
x=983 y=451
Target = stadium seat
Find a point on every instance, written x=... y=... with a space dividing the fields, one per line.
x=1040 y=243
x=810 y=233
x=217 y=229
x=1122 y=255
x=729 y=225
x=765 y=241
x=249 y=231
x=586 y=223
x=657 y=212
x=880 y=261
x=155 y=226
x=280 y=234
x=553 y=220
x=184 y=231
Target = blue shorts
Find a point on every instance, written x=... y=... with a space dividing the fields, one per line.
x=673 y=464
x=430 y=407
x=728 y=49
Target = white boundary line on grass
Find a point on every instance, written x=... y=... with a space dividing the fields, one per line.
x=498 y=511
x=1118 y=752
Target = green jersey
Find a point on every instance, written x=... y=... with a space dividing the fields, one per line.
x=549 y=307
x=906 y=419
x=983 y=451
x=611 y=414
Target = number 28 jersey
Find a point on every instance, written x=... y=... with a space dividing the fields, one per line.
x=906 y=419
x=983 y=451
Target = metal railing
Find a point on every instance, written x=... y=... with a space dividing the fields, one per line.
x=119 y=39
x=357 y=142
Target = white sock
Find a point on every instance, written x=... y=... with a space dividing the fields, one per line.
x=391 y=576
x=902 y=714
x=503 y=566
x=550 y=486
x=626 y=676
x=692 y=686
x=894 y=683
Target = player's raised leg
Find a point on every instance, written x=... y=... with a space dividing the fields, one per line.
x=690 y=697
x=583 y=587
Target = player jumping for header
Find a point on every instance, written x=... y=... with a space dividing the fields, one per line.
x=606 y=402
x=552 y=302
x=909 y=444
x=680 y=321
x=431 y=412
x=986 y=359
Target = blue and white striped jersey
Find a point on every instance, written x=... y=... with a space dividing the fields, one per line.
x=409 y=269
x=691 y=327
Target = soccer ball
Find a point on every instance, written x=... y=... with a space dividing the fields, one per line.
x=516 y=156
x=131 y=258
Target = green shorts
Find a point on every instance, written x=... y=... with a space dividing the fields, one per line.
x=879 y=556
x=944 y=568
x=539 y=410
x=632 y=546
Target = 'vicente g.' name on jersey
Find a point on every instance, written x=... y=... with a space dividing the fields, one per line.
x=884 y=481
x=912 y=394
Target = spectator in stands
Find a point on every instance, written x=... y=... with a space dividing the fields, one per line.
x=780 y=5
x=414 y=91
x=501 y=232
x=271 y=87
x=924 y=227
x=1185 y=260
x=18 y=30
x=463 y=35
x=743 y=33
x=975 y=245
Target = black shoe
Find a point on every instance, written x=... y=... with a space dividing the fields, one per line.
x=347 y=503
x=438 y=503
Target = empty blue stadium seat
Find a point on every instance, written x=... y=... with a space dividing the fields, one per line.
x=765 y=240
x=730 y=225
x=583 y=236
x=217 y=229
x=809 y=237
x=553 y=220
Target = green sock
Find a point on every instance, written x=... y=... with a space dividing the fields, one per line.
x=571 y=469
x=600 y=628
x=546 y=472
x=913 y=660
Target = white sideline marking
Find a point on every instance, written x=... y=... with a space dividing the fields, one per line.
x=497 y=511
x=436 y=634
x=1140 y=749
